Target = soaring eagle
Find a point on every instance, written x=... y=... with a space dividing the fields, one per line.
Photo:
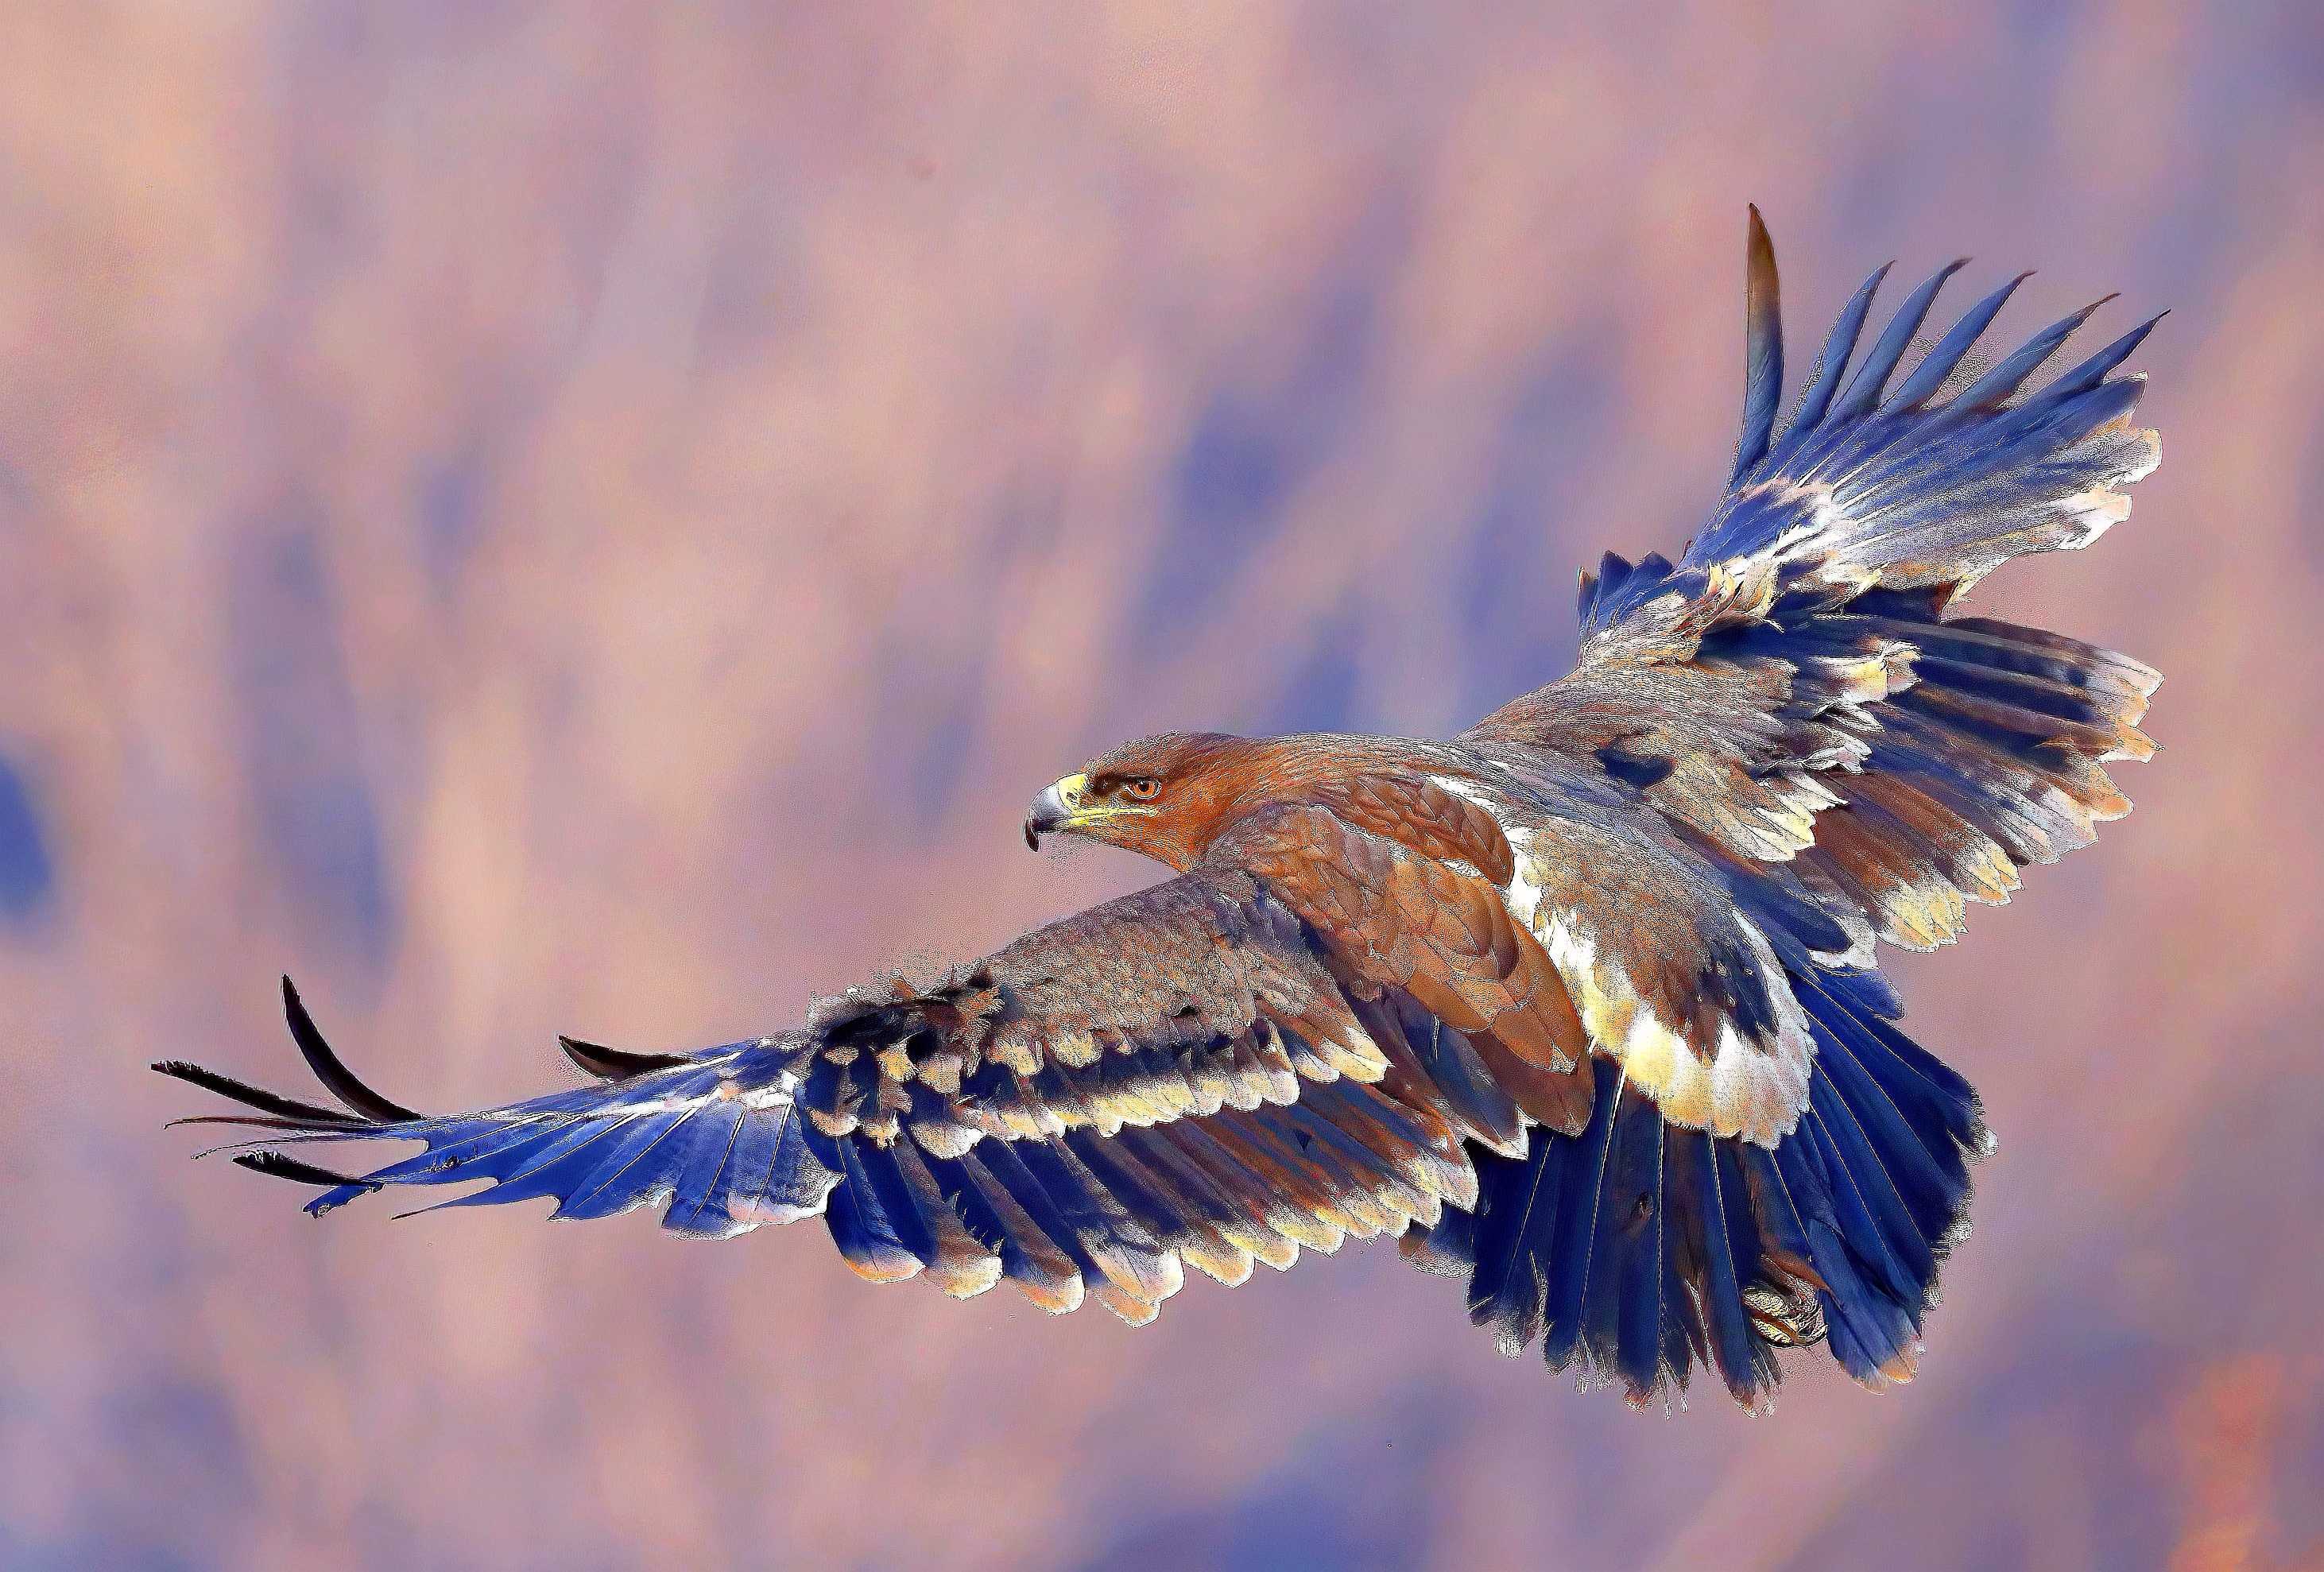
x=1581 y=1005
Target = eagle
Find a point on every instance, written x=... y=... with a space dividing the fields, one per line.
x=1582 y=1005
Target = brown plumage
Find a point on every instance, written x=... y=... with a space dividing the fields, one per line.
x=1580 y=1005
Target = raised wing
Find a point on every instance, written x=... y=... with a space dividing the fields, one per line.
x=1795 y=689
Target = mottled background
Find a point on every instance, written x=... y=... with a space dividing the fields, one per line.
x=531 y=520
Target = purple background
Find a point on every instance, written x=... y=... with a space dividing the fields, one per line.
x=536 y=523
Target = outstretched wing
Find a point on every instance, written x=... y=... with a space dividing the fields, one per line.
x=1795 y=691
x=1180 y=1075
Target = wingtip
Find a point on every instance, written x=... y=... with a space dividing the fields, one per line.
x=2137 y=337
x=1759 y=248
x=614 y=1063
x=337 y=1078
x=281 y=1166
x=1763 y=346
x=271 y=1105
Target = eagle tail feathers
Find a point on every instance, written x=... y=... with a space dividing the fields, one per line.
x=1640 y=1249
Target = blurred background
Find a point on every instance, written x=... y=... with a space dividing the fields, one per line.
x=531 y=520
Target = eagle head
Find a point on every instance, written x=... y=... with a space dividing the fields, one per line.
x=1166 y=796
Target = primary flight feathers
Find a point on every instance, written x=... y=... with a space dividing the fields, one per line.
x=1581 y=1005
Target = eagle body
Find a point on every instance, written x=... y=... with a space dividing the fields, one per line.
x=1582 y=1005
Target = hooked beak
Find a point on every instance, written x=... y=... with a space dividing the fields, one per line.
x=1055 y=809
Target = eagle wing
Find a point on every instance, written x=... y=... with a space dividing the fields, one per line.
x=1792 y=730
x=1796 y=692
x=1189 y=1073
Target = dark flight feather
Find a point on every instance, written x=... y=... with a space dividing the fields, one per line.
x=1864 y=393
x=1832 y=364
x=615 y=1064
x=337 y=1077
x=1762 y=357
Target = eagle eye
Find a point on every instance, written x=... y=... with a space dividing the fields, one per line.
x=1141 y=788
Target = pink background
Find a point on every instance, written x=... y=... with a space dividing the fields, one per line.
x=530 y=522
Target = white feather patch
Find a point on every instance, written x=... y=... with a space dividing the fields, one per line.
x=1747 y=1088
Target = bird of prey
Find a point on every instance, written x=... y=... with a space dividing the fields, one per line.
x=1581 y=1005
